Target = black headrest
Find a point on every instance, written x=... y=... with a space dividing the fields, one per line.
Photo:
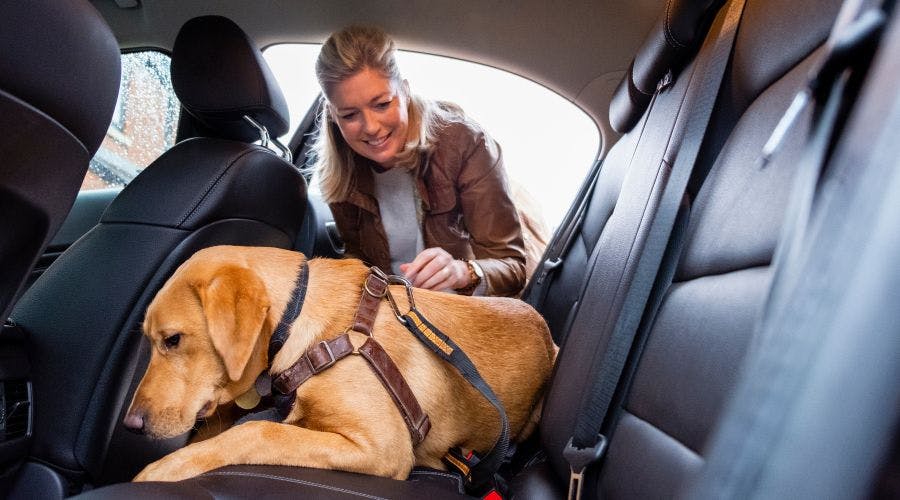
x=76 y=87
x=674 y=38
x=220 y=75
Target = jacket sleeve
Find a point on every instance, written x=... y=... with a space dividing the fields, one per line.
x=491 y=219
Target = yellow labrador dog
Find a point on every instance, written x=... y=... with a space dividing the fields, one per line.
x=209 y=329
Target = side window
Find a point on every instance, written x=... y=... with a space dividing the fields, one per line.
x=548 y=143
x=143 y=125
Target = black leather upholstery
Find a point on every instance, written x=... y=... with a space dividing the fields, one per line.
x=632 y=172
x=83 y=316
x=220 y=75
x=674 y=37
x=236 y=176
x=55 y=107
x=703 y=329
x=705 y=324
x=288 y=482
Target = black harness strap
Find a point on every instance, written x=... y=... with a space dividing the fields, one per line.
x=291 y=312
x=284 y=402
x=481 y=474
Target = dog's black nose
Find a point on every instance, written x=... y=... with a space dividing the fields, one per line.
x=134 y=421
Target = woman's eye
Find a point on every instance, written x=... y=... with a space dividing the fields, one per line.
x=348 y=116
x=172 y=341
x=383 y=105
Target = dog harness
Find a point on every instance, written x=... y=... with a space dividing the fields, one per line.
x=479 y=472
x=326 y=353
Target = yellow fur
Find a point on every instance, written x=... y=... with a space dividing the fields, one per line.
x=343 y=418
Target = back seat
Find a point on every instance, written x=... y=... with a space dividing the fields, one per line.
x=695 y=342
x=700 y=333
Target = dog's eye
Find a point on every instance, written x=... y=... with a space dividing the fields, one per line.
x=172 y=341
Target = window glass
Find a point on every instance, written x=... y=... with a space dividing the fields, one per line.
x=548 y=143
x=143 y=124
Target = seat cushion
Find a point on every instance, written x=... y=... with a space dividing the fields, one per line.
x=250 y=481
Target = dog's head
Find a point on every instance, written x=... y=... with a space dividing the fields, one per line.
x=205 y=331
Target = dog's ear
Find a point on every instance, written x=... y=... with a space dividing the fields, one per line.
x=235 y=304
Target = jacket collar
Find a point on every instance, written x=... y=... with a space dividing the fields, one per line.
x=362 y=188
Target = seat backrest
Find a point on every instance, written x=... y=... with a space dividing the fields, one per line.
x=612 y=221
x=696 y=340
x=83 y=316
x=55 y=106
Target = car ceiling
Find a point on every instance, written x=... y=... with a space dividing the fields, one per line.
x=578 y=48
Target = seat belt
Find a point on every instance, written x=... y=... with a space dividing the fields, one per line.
x=849 y=45
x=536 y=291
x=587 y=444
x=756 y=420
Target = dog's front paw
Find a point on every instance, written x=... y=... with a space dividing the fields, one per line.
x=182 y=464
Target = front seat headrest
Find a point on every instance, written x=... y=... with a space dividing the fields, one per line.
x=76 y=87
x=220 y=75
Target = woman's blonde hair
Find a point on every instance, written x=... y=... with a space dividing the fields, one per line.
x=343 y=55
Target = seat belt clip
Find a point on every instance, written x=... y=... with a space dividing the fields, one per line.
x=579 y=459
x=549 y=265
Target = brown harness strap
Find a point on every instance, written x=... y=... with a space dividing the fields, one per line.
x=324 y=354
x=416 y=419
x=315 y=360
x=382 y=364
x=369 y=301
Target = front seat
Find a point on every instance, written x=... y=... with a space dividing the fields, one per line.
x=83 y=316
x=55 y=106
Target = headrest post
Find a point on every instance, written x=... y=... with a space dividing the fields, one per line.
x=285 y=152
x=263 y=132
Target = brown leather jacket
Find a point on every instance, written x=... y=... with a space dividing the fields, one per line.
x=466 y=209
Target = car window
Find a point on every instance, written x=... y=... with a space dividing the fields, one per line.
x=143 y=125
x=548 y=143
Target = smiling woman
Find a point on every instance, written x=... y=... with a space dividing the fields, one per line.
x=548 y=143
x=414 y=184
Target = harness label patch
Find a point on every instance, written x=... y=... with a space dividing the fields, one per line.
x=430 y=335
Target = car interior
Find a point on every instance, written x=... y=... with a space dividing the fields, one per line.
x=721 y=288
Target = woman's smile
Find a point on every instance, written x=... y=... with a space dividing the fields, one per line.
x=371 y=112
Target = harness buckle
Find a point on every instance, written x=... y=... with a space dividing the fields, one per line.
x=331 y=359
x=393 y=279
x=579 y=459
x=379 y=275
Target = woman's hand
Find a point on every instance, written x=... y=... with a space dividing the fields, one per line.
x=435 y=269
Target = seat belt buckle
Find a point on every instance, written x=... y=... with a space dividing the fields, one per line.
x=579 y=459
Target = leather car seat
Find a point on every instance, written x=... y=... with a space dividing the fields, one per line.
x=694 y=342
x=83 y=316
x=55 y=107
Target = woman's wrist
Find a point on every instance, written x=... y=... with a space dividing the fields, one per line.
x=473 y=277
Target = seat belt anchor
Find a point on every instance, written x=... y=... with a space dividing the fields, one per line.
x=579 y=459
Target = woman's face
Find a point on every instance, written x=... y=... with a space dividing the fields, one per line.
x=371 y=112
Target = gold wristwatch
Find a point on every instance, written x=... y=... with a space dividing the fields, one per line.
x=476 y=276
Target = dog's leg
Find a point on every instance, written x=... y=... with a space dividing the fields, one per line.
x=271 y=443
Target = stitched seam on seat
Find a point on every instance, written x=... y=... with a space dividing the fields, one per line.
x=669 y=34
x=296 y=481
x=434 y=473
x=43 y=114
x=212 y=185
x=455 y=477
